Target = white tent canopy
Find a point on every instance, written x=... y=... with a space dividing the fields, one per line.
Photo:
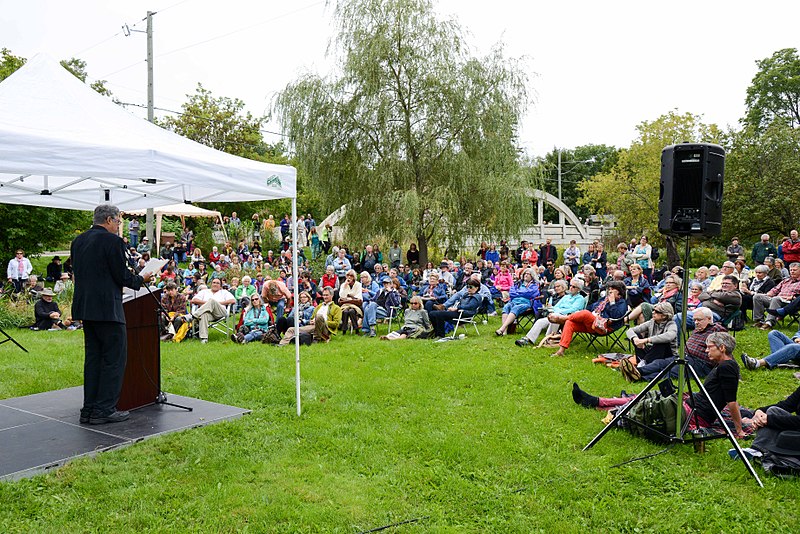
x=177 y=210
x=64 y=145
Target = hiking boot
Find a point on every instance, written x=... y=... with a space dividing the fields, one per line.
x=629 y=370
x=750 y=363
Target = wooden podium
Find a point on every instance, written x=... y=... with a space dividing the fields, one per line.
x=142 y=383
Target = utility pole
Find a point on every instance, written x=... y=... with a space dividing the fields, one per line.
x=154 y=242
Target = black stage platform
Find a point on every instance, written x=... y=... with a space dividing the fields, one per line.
x=39 y=432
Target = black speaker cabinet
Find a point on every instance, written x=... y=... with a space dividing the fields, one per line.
x=690 y=200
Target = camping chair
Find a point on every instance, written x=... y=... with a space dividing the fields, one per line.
x=396 y=312
x=222 y=326
x=733 y=322
x=464 y=319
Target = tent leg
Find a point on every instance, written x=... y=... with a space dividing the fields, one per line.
x=296 y=293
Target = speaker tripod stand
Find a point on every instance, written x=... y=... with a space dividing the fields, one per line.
x=11 y=339
x=677 y=434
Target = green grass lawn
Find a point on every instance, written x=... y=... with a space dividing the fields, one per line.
x=470 y=436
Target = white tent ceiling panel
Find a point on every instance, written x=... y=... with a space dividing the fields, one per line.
x=62 y=137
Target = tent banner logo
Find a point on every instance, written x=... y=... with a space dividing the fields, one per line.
x=274 y=181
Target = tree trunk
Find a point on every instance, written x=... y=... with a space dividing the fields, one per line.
x=422 y=245
x=673 y=257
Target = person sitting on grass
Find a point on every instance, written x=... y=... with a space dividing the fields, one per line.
x=416 y=323
x=63 y=284
x=782 y=350
x=467 y=306
x=523 y=297
x=612 y=308
x=47 y=313
x=325 y=319
x=256 y=322
x=562 y=304
x=773 y=419
x=722 y=385
x=174 y=303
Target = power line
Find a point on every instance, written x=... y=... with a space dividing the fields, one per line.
x=251 y=26
x=200 y=117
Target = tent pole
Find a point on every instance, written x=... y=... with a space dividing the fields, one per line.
x=296 y=300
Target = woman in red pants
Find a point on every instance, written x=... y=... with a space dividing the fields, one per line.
x=612 y=307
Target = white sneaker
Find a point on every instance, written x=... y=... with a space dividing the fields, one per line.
x=493 y=314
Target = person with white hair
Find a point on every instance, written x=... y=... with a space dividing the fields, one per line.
x=763 y=249
x=562 y=304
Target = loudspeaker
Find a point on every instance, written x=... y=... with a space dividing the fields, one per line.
x=690 y=199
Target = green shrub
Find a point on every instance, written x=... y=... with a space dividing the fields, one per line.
x=706 y=255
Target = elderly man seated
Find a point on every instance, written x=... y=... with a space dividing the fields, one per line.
x=722 y=303
x=47 y=313
x=326 y=318
x=760 y=284
x=722 y=385
x=212 y=305
x=696 y=355
x=777 y=297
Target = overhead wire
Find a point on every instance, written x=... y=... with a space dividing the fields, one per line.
x=209 y=119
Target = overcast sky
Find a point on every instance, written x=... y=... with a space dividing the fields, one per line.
x=597 y=69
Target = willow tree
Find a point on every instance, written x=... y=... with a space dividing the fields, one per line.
x=414 y=134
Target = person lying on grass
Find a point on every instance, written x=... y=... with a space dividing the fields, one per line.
x=722 y=385
x=612 y=308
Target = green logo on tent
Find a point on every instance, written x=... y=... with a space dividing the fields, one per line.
x=274 y=181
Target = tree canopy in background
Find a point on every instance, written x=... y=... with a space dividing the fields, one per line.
x=575 y=167
x=32 y=228
x=223 y=123
x=630 y=189
x=761 y=177
x=774 y=93
x=415 y=135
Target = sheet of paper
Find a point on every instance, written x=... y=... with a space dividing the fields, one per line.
x=153 y=266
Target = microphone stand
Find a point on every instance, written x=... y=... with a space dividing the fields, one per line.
x=161 y=398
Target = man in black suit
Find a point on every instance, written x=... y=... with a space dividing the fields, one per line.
x=98 y=260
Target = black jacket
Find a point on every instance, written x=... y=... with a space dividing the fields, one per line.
x=785 y=422
x=98 y=261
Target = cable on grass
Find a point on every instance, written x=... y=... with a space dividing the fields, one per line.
x=384 y=527
x=644 y=457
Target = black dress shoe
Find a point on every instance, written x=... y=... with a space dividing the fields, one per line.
x=84 y=419
x=115 y=417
